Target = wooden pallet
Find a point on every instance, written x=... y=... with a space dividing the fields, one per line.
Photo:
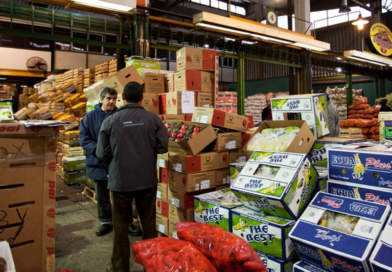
x=89 y=193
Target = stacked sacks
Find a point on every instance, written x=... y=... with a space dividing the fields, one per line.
x=254 y=105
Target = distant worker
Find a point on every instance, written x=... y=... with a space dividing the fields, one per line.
x=266 y=114
x=384 y=106
x=334 y=117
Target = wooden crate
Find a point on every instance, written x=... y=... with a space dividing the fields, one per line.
x=351 y=133
x=89 y=193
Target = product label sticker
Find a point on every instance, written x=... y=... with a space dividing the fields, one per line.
x=177 y=167
x=206 y=106
x=188 y=102
x=225 y=180
x=196 y=187
x=161 y=163
x=231 y=145
x=159 y=195
x=161 y=228
x=241 y=159
x=204 y=184
x=176 y=202
x=204 y=119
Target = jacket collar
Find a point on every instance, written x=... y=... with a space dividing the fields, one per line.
x=131 y=106
x=98 y=107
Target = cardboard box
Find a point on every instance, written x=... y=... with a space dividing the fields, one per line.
x=220 y=106
x=28 y=194
x=162 y=192
x=205 y=100
x=74 y=163
x=228 y=108
x=361 y=192
x=180 y=199
x=169 y=83
x=180 y=215
x=121 y=78
x=327 y=248
x=143 y=64
x=173 y=117
x=276 y=183
x=203 y=162
x=172 y=229
x=72 y=178
x=220 y=98
x=276 y=265
x=222 y=187
x=380 y=259
x=302 y=266
x=220 y=118
x=150 y=102
x=196 y=59
x=193 y=80
x=172 y=103
x=222 y=176
x=164 y=175
x=302 y=143
x=361 y=163
x=192 y=182
x=266 y=234
x=385 y=116
x=163 y=160
x=226 y=141
x=237 y=156
x=214 y=208
x=387 y=133
x=153 y=83
x=196 y=144
x=318 y=155
x=250 y=124
x=311 y=107
x=162 y=224
x=235 y=170
x=162 y=208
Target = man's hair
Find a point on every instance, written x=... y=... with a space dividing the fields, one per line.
x=325 y=92
x=273 y=94
x=384 y=102
x=107 y=90
x=133 y=92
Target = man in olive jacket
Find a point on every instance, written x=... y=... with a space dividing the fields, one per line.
x=131 y=139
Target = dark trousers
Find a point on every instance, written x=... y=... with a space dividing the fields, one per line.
x=122 y=209
x=102 y=197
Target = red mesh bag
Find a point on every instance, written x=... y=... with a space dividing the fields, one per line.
x=377 y=109
x=353 y=107
x=361 y=123
x=364 y=106
x=365 y=131
x=368 y=116
x=227 y=251
x=351 y=112
x=369 y=111
x=375 y=115
x=362 y=100
x=168 y=254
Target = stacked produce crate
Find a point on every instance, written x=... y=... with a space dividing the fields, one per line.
x=71 y=162
x=101 y=71
x=112 y=67
x=89 y=77
x=227 y=101
x=78 y=79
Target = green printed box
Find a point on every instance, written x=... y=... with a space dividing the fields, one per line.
x=276 y=183
x=147 y=64
x=388 y=133
x=72 y=178
x=235 y=170
x=268 y=235
x=311 y=107
x=74 y=163
x=214 y=208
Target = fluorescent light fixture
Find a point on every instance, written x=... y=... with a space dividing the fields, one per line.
x=311 y=47
x=338 y=58
x=368 y=57
x=246 y=42
x=110 y=5
x=224 y=29
x=270 y=39
x=339 y=69
x=3 y=78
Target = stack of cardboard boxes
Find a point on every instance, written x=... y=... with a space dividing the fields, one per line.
x=225 y=100
x=71 y=162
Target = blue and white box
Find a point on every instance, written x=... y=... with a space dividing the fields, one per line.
x=363 y=164
x=276 y=183
x=302 y=266
x=338 y=233
x=312 y=107
x=381 y=259
x=361 y=192
x=276 y=265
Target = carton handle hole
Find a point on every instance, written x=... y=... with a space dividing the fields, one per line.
x=301 y=143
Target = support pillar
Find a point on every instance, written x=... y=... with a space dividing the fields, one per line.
x=349 y=89
x=241 y=84
x=302 y=11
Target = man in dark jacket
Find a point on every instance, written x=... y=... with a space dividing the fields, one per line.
x=384 y=105
x=97 y=170
x=266 y=114
x=131 y=139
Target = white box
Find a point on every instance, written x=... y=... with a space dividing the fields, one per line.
x=381 y=258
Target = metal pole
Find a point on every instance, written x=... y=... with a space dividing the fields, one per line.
x=241 y=84
x=349 y=88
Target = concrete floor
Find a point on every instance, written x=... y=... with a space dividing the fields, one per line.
x=77 y=246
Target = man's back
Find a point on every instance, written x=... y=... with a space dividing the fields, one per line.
x=135 y=137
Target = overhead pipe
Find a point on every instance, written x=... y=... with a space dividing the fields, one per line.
x=165 y=12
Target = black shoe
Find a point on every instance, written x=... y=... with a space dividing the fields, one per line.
x=134 y=232
x=104 y=229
